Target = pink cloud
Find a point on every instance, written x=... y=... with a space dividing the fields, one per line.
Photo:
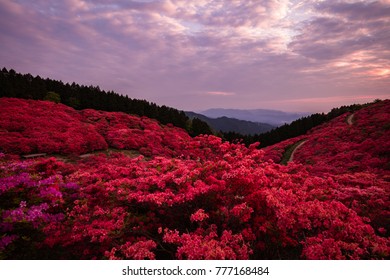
x=337 y=99
x=170 y=51
x=220 y=93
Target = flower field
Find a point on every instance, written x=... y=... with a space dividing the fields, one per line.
x=118 y=186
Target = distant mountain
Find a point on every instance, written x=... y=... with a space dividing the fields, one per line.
x=272 y=117
x=226 y=124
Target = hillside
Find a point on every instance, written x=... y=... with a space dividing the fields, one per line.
x=29 y=126
x=358 y=142
x=115 y=186
x=352 y=142
x=13 y=84
x=225 y=124
x=294 y=129
x=354 y=150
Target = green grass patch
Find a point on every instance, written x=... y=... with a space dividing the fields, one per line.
x=288 y=152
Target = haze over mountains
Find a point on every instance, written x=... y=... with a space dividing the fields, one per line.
x=225 y=124
x=272 y=117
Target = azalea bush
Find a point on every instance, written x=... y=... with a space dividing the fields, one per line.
x=176 y=198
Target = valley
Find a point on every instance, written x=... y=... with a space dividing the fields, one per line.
x=110 y=185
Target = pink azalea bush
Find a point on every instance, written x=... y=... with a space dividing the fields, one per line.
x=177 y=197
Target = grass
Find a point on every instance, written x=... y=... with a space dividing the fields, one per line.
x=288 y=152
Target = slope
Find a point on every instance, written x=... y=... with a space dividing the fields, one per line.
x=349 y=143
x=173 y=197
x=353 y=153
x=77 y=96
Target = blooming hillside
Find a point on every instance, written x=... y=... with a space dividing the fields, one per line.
x=353 y=150
x=351 y=143
x=29 y=126
x=148 y=191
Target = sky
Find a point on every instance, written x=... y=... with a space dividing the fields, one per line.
x=297 y=56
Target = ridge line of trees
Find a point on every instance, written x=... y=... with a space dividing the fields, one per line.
x=296 y=128
x=13 y=84
x=26 y=86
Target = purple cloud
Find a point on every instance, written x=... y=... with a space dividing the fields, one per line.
x=220 y=93
x=265 y=51
x=357 y=11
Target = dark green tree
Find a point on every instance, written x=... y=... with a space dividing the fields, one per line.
x=53 y=96
x=199 y=127
x=74 y=102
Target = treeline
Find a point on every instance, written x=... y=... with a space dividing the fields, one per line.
x=13 y=84
x=295 y=128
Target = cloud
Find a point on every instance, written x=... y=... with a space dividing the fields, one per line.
x=349 y=39
x=329 y=38
x=167 y=51
x=231 y=13
x=220 y=93
x=357 y=11
x=337 y=99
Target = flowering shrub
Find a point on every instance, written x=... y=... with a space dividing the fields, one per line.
x=179 y=197
x=199 y=216
x=205 y=245
x=355 y=156
x=32 y=196
x=28 y=126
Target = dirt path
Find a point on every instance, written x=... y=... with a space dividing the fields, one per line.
x=75 y=158
x=296 y=148
x=350 y=119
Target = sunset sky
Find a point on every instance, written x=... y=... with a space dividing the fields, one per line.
x=198 y=54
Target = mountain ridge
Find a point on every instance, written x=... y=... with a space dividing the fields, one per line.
x=273 y=117
x=225 y=124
